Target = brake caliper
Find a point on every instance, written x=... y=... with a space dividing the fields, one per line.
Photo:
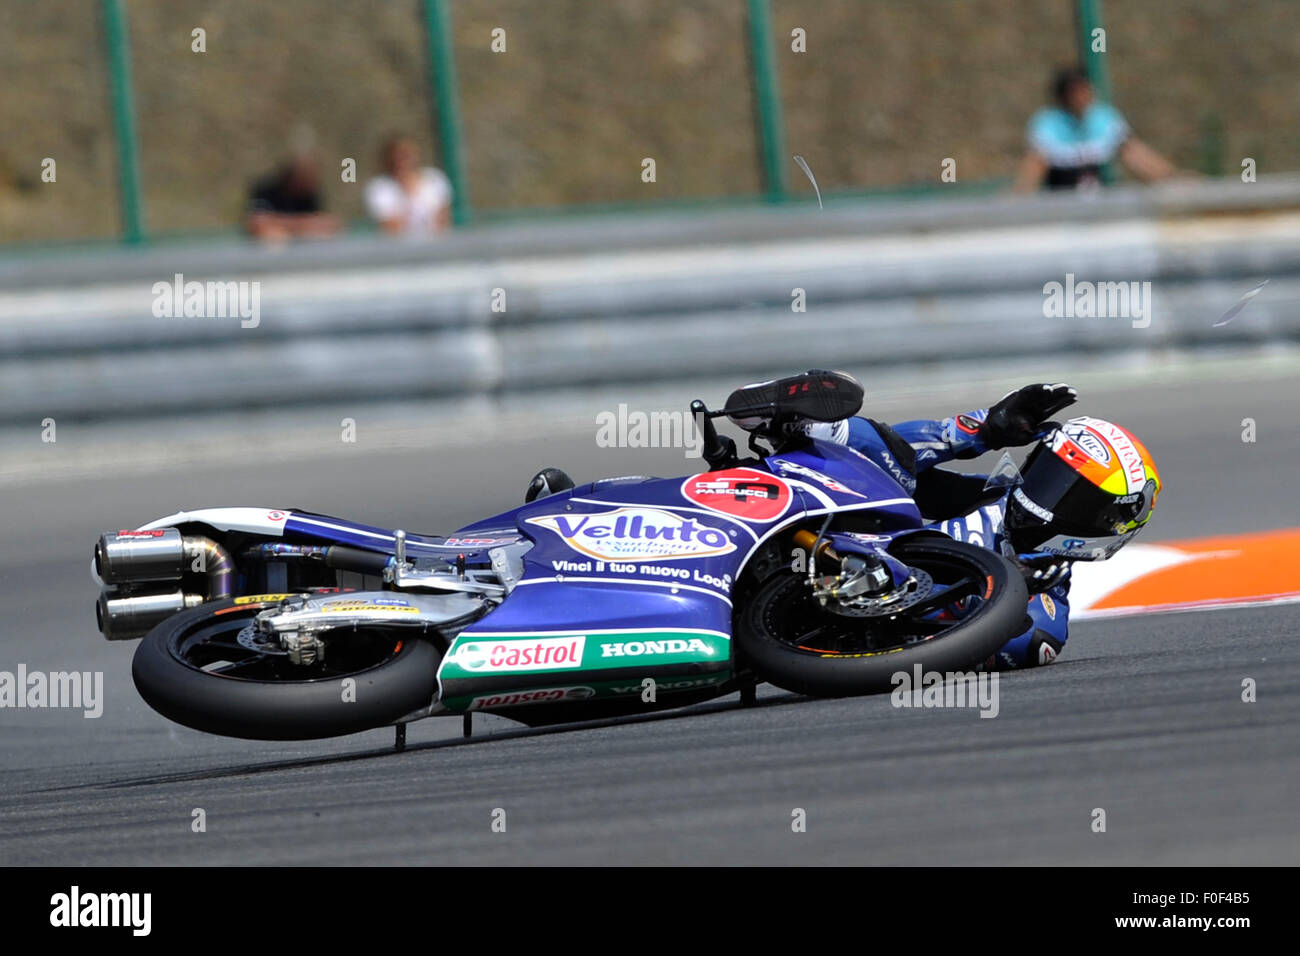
x=303 y=647
x=867 y=585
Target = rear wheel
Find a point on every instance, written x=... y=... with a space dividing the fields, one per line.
x=203 y=668
x=791 y=641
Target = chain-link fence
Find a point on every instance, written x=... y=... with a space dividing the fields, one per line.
x=157 y=115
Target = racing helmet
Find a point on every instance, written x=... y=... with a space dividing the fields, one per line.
x=1086 y=489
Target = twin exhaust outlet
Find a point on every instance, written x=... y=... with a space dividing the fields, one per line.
x=136 y=569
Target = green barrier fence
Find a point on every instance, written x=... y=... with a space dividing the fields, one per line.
x=538 y=108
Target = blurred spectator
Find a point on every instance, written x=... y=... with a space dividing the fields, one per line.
x=409 y=200
x=286 y=203
x=1069 y=143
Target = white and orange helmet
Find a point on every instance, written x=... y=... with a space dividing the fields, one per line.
x=1088 y=487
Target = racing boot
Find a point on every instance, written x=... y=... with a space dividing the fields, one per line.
x=816 y=395
x=547 y=482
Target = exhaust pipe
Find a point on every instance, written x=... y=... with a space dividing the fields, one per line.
x=125 y=618
x=124 y=557
x=158 y=556
x=164 y=554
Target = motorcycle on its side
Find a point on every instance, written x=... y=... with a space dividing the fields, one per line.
x=805 y=565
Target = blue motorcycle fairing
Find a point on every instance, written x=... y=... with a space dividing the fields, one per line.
x=672 y=549
x=625 y=554
x=627 y=578
x=626 y=581
x=633 y=578
x=839 y=479
x=370 y=538
x=507 y=522
x=816 y=478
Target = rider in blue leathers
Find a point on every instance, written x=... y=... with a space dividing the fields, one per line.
x=1017 y=420
x=1086 y=489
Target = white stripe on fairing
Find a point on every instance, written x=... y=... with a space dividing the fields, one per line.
x=1092 y=581
x=649 y=584
x=347 y=529
x=822 y=498
x=821 y=511
x=252 y=520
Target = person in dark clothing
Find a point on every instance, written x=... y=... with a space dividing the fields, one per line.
x=286 y=204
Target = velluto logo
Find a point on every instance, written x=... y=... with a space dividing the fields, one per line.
x=634 y=533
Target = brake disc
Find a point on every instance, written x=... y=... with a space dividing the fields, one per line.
x=257 y=641
x=917 y=589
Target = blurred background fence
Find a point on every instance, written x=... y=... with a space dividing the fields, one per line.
x=156 y=141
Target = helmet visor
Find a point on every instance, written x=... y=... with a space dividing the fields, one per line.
x=1060 y=501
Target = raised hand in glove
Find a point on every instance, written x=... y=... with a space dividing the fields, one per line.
x=1019 y=416
x=1042 y=572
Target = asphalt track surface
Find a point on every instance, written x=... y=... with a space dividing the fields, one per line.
x=1142 y=717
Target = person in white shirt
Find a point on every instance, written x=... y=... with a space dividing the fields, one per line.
x=409 y=200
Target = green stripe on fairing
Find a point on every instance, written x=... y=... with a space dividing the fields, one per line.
x=600 y=652
x=603 y=690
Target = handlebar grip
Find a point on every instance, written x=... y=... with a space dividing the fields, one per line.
x=719 y=452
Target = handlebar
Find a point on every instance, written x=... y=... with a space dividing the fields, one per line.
x=719 y=451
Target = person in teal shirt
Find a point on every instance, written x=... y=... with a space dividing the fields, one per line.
x=1070 y=142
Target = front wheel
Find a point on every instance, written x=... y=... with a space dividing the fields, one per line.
x=201 y=668
x=791 y=641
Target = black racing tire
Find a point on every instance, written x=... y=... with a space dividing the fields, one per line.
x=760 y=624
x=395 y=684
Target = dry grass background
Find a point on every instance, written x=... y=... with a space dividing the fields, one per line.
x=886 y=90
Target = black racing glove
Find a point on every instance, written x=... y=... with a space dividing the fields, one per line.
x=1019 y=416
x=1042 y=572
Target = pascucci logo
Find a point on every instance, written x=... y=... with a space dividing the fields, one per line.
x=634 y=533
